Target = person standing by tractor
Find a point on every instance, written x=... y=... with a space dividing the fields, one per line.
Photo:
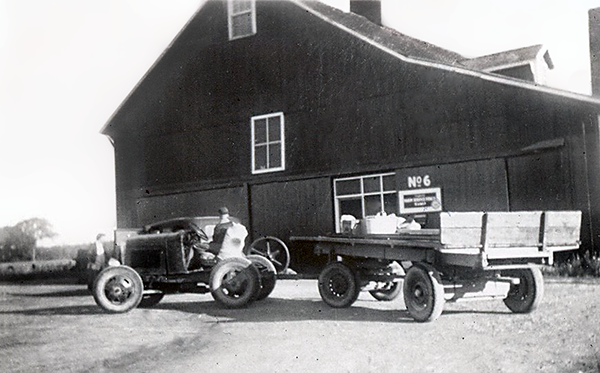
x=99 y=260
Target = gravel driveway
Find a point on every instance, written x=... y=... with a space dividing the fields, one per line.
x=58 y=328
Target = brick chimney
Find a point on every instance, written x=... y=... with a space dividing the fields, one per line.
x=594 y=23
x=370 y=9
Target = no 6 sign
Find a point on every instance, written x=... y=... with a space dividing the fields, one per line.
x=419 y=181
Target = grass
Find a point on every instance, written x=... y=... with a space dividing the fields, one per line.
x=586 y=265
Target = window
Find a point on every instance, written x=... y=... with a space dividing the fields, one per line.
x=242 y=18
x=363 y=196
x=268 y=143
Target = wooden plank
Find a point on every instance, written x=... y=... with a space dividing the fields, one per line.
x=562 y=228
x=516 y=252
x=461 y=228
x=513 y=228
x=389 y=242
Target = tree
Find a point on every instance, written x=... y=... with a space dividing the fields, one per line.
x=19 y=242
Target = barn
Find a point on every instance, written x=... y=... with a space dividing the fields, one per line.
x=293 y=113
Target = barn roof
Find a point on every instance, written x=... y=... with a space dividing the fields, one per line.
x=391 y=38
x=511 y=57
x=411 y=51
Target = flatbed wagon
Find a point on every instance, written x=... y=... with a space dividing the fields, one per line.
x=473 y=255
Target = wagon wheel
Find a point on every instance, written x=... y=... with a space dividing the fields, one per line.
x=423 y=293
x=338 y=285
x=234 y=282
x=273 y=249
x=268 y=275
x=389 y=292
x=118 y=289
x=525 y=296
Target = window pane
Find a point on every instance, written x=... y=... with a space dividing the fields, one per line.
x=372 y=184
x=241 y=25
x=274 y=155
x=372 y=205
x=389 y=183
x=260 y=157
x=260 y=131
x=241 y=5
x=345 y=187
x=274 y=128
x=352 y=207
x=390 y=203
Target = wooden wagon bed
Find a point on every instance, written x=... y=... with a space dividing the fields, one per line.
x=487 y=240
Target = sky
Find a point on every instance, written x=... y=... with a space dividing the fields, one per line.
x=66 y=65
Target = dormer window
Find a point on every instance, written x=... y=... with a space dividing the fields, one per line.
x=242 y=18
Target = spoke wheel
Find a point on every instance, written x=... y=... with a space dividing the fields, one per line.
x=273 y=249
x=118 y=289
x=423 y=293
x=389 y=292
x=268 y=275
x=338 y=285
x=234 y=282
x=525 y=296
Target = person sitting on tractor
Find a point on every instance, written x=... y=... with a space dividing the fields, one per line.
x=227 y=241
x=220 y=231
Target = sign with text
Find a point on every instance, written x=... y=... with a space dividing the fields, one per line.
x=416 y=201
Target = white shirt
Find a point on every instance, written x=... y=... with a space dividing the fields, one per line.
x=233 y=243
x=99 y=248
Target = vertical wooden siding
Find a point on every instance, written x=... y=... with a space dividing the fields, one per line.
x=285 y=209
x=204 y=203
x=346 y=103
x=539 y=182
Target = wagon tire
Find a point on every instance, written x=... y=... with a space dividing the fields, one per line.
x=268 y=275
x=118 y=289
x=387 y=294
x=338 y=285
x=527 y=295
x=423 y=293
x=234 y=282
x=151 y=300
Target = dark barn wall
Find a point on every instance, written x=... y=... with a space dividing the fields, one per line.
x=293 y=208
x=349 y=108
x=466 y=186
x=539 y=180
x=202 y=203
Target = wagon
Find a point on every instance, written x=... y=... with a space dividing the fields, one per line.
x=159 y=259
x=473 y=255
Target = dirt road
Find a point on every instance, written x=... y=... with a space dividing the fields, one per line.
x=58 y=328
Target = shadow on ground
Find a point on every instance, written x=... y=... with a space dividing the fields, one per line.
x=269 y=310
x=63 y=293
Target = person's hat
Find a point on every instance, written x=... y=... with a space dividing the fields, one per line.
x=223 y=211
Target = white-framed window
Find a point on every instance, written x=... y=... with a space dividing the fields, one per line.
x=362 y=196
x=268 y=143
x=241 y=16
